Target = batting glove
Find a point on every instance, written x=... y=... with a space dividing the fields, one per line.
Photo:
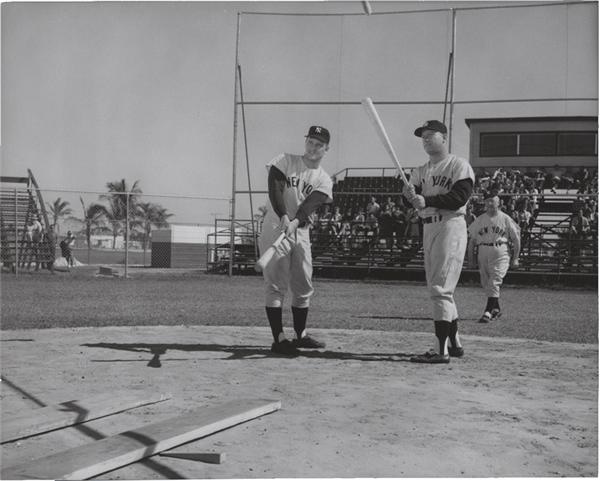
x=418 y=202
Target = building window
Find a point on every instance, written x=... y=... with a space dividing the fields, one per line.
x=498 y=145
x=577 y=143
x=537 y=144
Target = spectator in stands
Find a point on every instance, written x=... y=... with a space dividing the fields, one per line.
x=400 y=226
x=414 y=230
x=34 y=238
x=336 y=221
x=66 y=246
x=469 y=216
x=389 y=203
x=386 y=226
x=371 y=225
x=523 y=221
x=358 y=224
x=581 y=180
x=373 y=207
x=325 y=220
x=579 y=230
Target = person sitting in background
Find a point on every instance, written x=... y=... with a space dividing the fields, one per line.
x=400 y=226
x=358 y=224
x=386 y=226
x=336 y=221
x=373 y=207
x=389 y=203
x=371 y=225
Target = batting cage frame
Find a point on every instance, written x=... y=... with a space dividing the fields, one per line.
x=449 y=102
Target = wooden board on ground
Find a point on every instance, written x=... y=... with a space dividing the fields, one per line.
x=212 y=458
x=127 y=447
x=38 y=421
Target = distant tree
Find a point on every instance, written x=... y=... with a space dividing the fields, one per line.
x=149 y=215
x=59 y=209
x=93 y=216
x=121 y=199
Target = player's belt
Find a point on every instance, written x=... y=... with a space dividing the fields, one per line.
x=493 y=244
x=432 y=219
x=438 y=218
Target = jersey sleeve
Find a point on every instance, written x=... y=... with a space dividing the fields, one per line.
x=325 y=185
x=512 y=229
x=280 y=162
x=463 y=170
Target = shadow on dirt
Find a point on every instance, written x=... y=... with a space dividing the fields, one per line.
x=237 y=352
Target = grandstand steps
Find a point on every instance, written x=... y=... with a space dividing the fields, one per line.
x=20 y=201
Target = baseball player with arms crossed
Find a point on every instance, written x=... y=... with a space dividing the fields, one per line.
x=491 y=234
x=439 y=190
x=298 y=186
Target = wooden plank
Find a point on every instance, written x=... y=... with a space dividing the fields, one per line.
x=212 y=458
x=68 y=413
x=127 y=447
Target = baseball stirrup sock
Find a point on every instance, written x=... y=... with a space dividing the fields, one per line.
x=299 y=314
x=274 y=315
x=442 y=331
x=454 y=338
x=490 y=304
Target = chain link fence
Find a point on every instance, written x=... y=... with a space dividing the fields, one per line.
x=60 y=230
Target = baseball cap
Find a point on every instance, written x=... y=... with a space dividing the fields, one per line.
x=319 y=133
x=434 y=125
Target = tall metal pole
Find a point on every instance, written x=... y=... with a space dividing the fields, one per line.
x=453 y=77
x=126 y=233
x=16 y=236
x=254 y=239
x=235 y=127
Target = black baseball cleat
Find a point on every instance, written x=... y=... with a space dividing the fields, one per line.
x=431 y=357
x=285 y=348
x=496 y=314
x=456 y=351
x=308 y=342
x=485 y=318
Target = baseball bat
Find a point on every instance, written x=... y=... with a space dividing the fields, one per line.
x=264 y=259
x=380 y=129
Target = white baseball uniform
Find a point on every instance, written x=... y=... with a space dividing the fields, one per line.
x=292 y=263
x=492 y=236
x=444 y=232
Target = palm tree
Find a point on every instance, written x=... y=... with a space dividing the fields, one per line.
x=92 y=217
x=151 y=215
x=122 y=200
x=59 y=209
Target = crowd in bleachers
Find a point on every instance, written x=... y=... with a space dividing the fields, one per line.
x=372 y=208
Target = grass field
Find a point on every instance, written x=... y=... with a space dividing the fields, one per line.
x=163 y=297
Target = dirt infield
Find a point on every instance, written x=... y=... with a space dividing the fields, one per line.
x=522 y=402
x=511 y=407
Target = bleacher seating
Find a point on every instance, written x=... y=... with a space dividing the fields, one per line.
x=548 y=247
x=21 y=201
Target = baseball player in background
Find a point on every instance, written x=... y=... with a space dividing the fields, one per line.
x=439 y=190
x=298 y=186
x=491 y=235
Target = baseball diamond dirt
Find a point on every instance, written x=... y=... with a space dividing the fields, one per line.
x=523 y=401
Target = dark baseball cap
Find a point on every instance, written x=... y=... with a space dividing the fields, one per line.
x=434 y=125
x=319 y=133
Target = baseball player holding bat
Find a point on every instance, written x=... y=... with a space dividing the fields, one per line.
x=439 y=190
x=491 y=234
x=298 y=186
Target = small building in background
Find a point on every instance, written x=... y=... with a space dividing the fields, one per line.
x=180 y=246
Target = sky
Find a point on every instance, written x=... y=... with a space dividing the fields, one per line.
x=94 y=92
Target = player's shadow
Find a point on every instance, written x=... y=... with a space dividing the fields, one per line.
x=236 y=352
